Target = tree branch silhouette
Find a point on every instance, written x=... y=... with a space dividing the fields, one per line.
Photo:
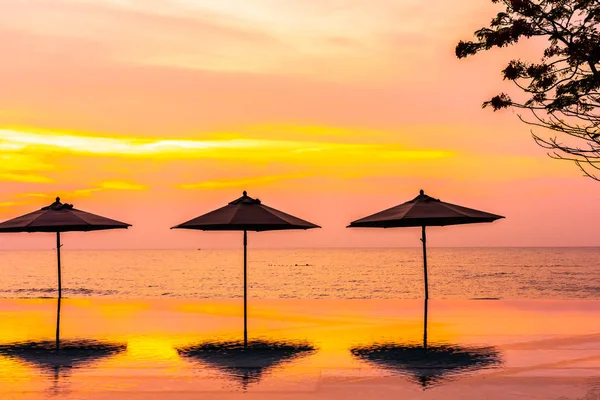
x=562 y=90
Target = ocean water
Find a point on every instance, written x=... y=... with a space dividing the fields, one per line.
x=454 y=273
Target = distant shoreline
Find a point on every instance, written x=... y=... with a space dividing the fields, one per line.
x=310 y=248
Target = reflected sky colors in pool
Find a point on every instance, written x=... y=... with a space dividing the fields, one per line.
x=309 y=348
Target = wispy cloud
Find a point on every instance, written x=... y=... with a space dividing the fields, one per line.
x=18 y=140
x=9 y=204
x=225 y=148
x=33 y=195
x=243 y=182
x=24 y=177
x=104 y=186
x=246 y=157
x=322 y=40
x=116 y=185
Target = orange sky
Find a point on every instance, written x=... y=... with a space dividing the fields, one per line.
x=156 y=111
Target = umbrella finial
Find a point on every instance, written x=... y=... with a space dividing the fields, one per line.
x=245 y=193
x=421 y=192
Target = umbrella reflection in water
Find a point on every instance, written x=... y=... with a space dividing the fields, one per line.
x=429 y=364
x=247 y=362
x=60 y=357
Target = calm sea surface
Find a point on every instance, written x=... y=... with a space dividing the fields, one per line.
x=454 y=273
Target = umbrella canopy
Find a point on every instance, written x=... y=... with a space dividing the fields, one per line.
x=424 y=211
x=246 y=214
x=429 y=364
x=59 y=217
x=247 y=362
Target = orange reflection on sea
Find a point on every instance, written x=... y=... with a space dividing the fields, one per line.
x=117 y=347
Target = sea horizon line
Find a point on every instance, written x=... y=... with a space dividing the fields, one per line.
x=307 y=248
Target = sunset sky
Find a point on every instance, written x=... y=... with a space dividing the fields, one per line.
x=155 y=111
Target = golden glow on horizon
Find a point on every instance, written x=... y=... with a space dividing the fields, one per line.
x=225 y=160
x=297 y=158
x=97 y=145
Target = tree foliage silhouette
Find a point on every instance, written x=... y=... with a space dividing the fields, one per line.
x=561 y=91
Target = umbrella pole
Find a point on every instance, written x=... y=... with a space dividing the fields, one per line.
x=425 y=326
x=245 y=291
x=58 y=326
x=58 y=256
x=424 y=240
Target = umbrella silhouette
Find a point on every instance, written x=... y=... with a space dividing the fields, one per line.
x=58 y=356
x=246 y=214
x=424 y=211
x=428 y=364
x=247 y=362
x=59 y=217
